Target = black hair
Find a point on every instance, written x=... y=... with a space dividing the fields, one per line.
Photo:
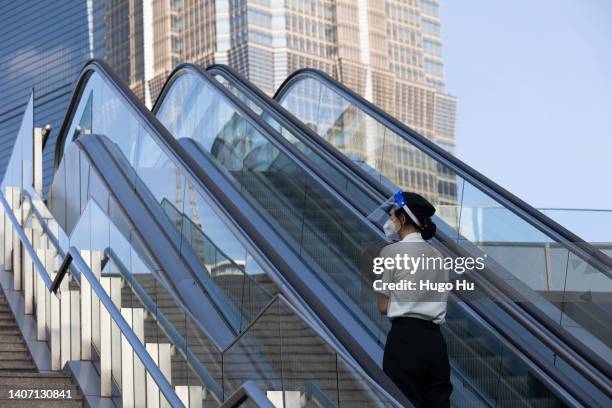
x=428 y=227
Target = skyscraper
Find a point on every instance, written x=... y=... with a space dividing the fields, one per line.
x=44 y=46
x=389 y=51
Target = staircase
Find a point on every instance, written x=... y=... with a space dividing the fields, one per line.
x=18 y=373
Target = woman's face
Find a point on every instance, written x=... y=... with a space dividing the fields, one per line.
x=397 y=223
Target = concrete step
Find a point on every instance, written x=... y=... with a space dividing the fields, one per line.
x=14 y=355
x=8 y=403
x=10 y=331
x=7 y=324
x=18 y=365
x=6 y=317
x=11 y=337
x=32 y=379
x=16 y=346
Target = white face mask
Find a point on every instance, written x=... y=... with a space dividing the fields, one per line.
x=390 y=231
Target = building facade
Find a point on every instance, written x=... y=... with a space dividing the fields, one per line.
x=43 y=47
x=389 y=51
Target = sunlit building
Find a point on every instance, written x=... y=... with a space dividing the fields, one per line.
x=390 y=52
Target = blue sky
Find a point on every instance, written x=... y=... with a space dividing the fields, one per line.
x=534 y=82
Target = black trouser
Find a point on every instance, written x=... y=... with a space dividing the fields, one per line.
x=416 y=360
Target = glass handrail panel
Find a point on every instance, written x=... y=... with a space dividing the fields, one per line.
x=184 y=109
x=475 y=216
x=292 y=363
x=194 y=227
x=16 y=173
x=340 y=179
x=496 y=375
x=326 y=233
x=591 y=224
x=147 y=304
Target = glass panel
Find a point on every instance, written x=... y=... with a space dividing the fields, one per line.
x=323 y=230
x=292 y=363
x=592 y=225
x=485 y=371
x=181 y=209
x=532 y=260
x=18 y=172
x=358 y=197
x=157 y=317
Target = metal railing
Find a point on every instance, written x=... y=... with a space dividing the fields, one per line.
x=248 y=392
x=545 y=333
x=73 y=257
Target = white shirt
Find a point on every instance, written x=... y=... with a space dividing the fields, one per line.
x=421 y=304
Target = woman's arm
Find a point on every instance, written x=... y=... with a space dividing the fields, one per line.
x=383 y=303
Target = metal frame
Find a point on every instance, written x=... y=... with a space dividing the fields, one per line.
x=515 y=204
x=247 y=392
x=73 y=257
x=249 y=227
x=168 y=328
x=574 y=360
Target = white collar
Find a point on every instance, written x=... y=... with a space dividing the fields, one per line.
x=413 y=237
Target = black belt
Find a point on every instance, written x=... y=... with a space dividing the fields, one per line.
x=407 y=321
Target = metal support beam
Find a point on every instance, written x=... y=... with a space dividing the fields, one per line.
x=133 y=377
x=16 y=255
x=39 y=137
x=90 y=309
x=8 y=232
x=70 y=322
x=110 y=338
x=28 y=276
x=190 y=395
x=54 y=316
x=161 y=353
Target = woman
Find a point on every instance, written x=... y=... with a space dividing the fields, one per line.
x=415 y=357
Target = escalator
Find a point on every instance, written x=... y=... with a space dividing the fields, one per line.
x=271 y=211
x=580 y=336
x=500 y=224
x=123 y=188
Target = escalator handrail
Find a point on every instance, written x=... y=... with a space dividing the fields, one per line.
x=191 y=168
x=515 y=204
x=279 y=298
x=245 y=85
x=562 y=334
x=275 y=139
x=575 y=360
x=248 y=391
x=167 y=326
x=298 y=129
x=146 y=118
x=229 y=196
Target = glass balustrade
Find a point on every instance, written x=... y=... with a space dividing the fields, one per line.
x=571 y=287
x=478 y=376
x=192 y=224
x=325 y=232
x=96 y=226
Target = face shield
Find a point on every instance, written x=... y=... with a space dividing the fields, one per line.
x=381 y=214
